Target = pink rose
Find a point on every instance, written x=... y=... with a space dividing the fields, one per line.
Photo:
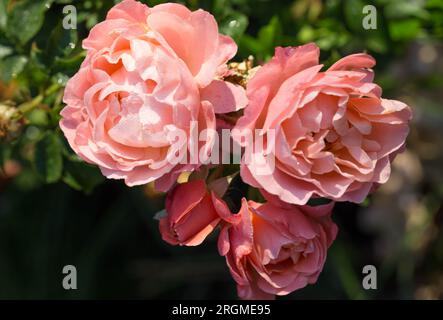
x=149 y=73
x=191 y=215
x=334 y=135
x=275 y=249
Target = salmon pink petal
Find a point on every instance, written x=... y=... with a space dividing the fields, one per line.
x=225 y=97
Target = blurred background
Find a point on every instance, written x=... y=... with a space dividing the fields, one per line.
x=55 y=210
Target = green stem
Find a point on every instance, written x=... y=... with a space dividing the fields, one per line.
x=30 y=105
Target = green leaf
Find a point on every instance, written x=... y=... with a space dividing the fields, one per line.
x=234 y=25
x=61 y=42
x=249 y=45
x=48 y=158
x=70 y=63
x=377 y=43
x=38 y=117
x=220 y=8
x=366 y=202
x=353 y=11
x=11 y=67
x=60 y=79
x=306 y=34
x=26 y=19
x=81 y=176
x=270 y=35
x=5 y=51
x=434 y=4
x=3 y=14
x=405 y=9
x=347 y=276
x=268 y=38
x=404 y=29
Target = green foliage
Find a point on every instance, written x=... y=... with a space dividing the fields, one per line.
x=25 y=20
x=3 y=14
x=48 y=158
x=11 y=66
x=234 y=25
x=269 y=36
x=82 y=177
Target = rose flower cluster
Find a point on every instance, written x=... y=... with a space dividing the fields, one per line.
x=156 y=89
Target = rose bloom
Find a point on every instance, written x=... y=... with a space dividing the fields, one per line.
x=191 y=215
x=334 y=135
x=149 y=74
x=274 y=249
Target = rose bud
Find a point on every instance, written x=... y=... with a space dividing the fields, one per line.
x=191 y=215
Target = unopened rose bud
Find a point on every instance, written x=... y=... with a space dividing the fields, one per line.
x=191 y=215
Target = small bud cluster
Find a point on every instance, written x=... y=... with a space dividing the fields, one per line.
x=10 y=121
x=241 y=72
